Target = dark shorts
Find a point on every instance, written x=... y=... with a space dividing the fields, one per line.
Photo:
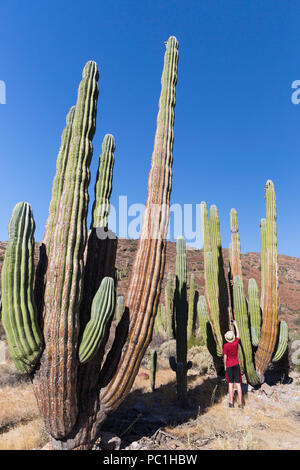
x=233 y=374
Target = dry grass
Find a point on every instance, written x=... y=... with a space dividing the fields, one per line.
x=24 y=437
x=17 y=405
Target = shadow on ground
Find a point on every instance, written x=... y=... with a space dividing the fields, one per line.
x=143 y=413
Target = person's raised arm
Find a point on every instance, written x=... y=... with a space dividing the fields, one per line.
x=225 y=360
x=236 y=328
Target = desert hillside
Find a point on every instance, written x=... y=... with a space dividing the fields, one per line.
x=289 y=272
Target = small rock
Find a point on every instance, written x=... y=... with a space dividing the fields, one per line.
x=109 y=441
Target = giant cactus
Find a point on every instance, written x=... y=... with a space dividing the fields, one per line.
x=260 y=342
x=75 y=398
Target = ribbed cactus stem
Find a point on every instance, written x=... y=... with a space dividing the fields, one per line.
x=59 y=179
x=207 y=333
x=153 y=366
x=211 y=285
x=190 y=324
x=218 y=262
x=101 y=315
x=241 y=316
x=19 y=314
x=254 y=311
x=282 y=341
x=269 y=327
x=235 y=246
x=65 y=250
x=169 y=306
x=103 y=186
x=205 y=227
x=263 y=253
x=212 y=300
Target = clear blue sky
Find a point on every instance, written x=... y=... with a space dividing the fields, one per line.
x=235 y=124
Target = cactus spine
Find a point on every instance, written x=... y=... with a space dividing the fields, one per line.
x=73 y=398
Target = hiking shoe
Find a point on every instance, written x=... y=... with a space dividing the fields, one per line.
x=230 y=405
x=241 y=407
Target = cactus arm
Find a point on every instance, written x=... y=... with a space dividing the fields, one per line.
x=282 y=341
x=19 y=314
x=102 y=311
x=103 y=186
x=254 y=311
x=147 y=272
x=235 y=246
x=269 y=327
x=58 y=371
x=241 y=316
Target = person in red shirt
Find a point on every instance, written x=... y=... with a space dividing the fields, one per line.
x=231 y=365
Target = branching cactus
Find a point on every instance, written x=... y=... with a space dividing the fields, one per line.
x=260 y=342
x=74 y=285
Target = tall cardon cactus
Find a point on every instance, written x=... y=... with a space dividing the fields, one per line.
x=57 y=330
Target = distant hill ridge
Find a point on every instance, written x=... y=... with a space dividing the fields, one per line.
x=289 y=272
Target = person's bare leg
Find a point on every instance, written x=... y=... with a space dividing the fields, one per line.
x=230 y=390
x=240 y=394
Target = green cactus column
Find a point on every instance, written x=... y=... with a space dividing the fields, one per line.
x=190 y=324
x=269 y=327
x=218 y=261
x=120 y=308
x=235 y=246
x=169 y=306
x=241 y=316
x=103 y=186
x=263 y=253
x=211 y=286
x=19 y=315
x=254 y=311
x=283 y=339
